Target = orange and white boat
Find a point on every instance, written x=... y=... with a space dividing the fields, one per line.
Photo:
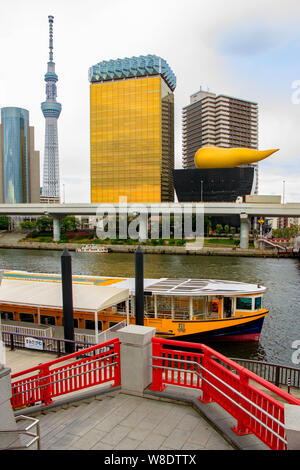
x=196 y=310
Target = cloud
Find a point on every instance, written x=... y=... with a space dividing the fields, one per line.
x=210 y=44
x=248 y=40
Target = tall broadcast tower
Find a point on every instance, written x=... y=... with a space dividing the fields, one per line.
x=51 y=111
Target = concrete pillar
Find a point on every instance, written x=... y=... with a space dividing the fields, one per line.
x=139 y=287
x=67 y=297
x=143 y=227
x=56 y=229
x=292 y=426
x=244 y=232
x=136 y=360
x=7 y=418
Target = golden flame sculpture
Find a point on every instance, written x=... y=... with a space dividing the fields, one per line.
x=219 y=157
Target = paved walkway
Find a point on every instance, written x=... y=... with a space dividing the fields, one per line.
x=119 y=421
x=11 y=237
x=123 y=422
x=171 y=420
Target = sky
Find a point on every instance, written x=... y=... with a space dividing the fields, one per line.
x=246 y=49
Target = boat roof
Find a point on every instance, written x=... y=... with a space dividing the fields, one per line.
x=162 y=286
x=203 y=287
x=86 y=298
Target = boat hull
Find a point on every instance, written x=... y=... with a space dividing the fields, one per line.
x=249 y=331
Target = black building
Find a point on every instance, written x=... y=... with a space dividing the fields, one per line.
x=213 y=184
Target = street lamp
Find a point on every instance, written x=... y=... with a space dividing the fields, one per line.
x=283 y=192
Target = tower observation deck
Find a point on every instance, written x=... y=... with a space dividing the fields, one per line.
x=51 y=110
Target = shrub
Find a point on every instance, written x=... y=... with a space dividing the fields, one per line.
x=4 y=222
x=34 y=234
x=28 y=224
x=45 y=239
x=219 y=229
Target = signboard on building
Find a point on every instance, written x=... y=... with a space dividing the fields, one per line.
x=34 y=343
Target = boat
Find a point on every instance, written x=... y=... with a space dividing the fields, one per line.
x=194 y=310
x=92 y=248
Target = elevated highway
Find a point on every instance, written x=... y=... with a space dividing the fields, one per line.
x=244 y=210
x=209 y=208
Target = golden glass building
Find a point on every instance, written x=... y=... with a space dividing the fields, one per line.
x=132 y=130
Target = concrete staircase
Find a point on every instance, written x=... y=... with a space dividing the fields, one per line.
x=119 y=421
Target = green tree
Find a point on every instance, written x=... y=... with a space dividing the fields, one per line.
x=44 y=224
x=293 y=231
x=219 y=229
x=28 y=224
x=207 y=225
x=69 y=224
x=232 y=230
x=4 y=222
x=226 y=229
x=278 y=233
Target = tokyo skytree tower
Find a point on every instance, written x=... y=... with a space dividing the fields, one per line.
x=51 y=111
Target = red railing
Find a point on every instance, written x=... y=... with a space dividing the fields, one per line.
x=225 y=382
x=96 y=365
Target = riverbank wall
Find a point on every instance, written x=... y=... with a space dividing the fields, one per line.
x=177 y=250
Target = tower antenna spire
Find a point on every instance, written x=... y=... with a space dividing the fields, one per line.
x=51 y=20
x=51 y=110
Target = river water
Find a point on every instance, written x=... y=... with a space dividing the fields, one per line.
x=280 y=276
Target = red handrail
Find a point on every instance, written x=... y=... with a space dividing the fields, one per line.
x=95 y=365
x=224 y=381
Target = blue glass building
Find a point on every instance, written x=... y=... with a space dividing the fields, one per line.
x=15 y=154
x=19 y=163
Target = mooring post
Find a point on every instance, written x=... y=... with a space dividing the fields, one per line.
x=67 y=297
x=139 y=287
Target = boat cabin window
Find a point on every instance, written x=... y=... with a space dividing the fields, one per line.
x=258 y=303
x=26 y=317
x=227 y=307
x=244 y=303
x=47 y=320
x=7 y=315
x=90 y=325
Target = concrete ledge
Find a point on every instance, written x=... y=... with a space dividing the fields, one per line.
x=164 y=250
x=292 y=426
x=218 y=418
x=136 y=335
x=61 y=402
